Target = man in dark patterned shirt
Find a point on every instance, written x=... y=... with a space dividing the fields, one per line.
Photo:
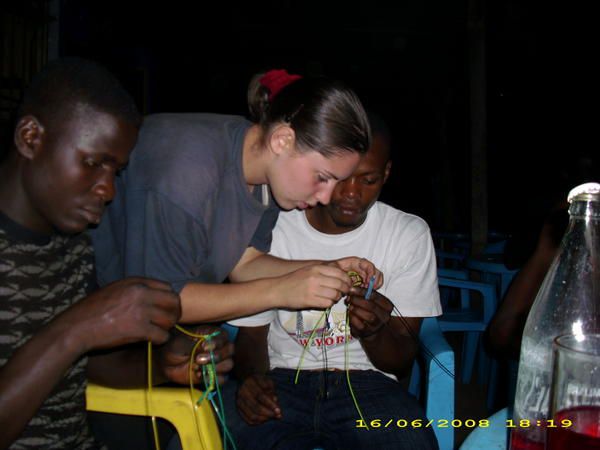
x=75 y=129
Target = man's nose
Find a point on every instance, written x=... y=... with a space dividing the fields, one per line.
x=105 y=186
x=349 y=188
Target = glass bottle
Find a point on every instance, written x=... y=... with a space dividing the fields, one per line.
x=568 y=302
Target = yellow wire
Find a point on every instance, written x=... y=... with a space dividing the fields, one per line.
x=148 y=398
x=200 y=338
x=189 y=333
x=310 y=338
x=348 y=370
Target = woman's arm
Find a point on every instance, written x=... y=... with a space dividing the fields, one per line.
x=255 y=264
x=314 y=287
x=261 y=282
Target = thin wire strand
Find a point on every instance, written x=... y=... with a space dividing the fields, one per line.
x=310 y=339
x=323 y=346
x=149 y=397
x=208 y=373
x=416 y=338
x=346 y=368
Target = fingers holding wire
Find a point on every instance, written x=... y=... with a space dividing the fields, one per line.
x=367 y=317
x=222 y=358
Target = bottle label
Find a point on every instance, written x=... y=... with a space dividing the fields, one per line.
x=578 y=394
x=532 y=395
x=533 y=385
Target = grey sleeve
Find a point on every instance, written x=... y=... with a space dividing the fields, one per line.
x=158 y=240
x=261 y=240
x=175 y=244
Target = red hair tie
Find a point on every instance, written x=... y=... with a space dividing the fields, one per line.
x=275 y=80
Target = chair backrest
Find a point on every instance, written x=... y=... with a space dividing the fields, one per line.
x=459 y=274
x=494 y=248
x=449 y=260
x=460 y=243
x=493 y=272
x=435 y=360
x=489 y=304
x=447 y=240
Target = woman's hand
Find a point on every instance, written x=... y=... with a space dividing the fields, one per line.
x=318 y=286
x=365 y=268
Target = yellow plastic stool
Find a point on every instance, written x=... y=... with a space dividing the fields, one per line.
x=169 y=403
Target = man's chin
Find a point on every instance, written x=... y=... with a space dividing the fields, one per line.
x=347 y=222
x=74 y=226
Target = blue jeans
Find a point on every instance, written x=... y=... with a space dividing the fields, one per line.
x=318 y=412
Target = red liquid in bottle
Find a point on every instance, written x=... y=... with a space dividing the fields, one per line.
x=583 y=434
x=520 y=439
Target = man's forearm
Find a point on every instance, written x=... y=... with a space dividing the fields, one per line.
x=251 y=352
x=392 y=349
x=31 y=373
x=122 y=368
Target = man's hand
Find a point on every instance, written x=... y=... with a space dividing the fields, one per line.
x=127 y=311
x=365 y=268
x=173 y=358
x=256 y=400
x=367 y=317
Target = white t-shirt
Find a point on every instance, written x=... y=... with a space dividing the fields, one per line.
x=399 y=244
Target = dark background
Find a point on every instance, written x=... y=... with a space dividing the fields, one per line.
x=407 y=60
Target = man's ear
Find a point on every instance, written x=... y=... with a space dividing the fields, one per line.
x=282 y=139
x=388 y=168
x=29 y=135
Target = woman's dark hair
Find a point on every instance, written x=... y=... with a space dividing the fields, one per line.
x=326 y=115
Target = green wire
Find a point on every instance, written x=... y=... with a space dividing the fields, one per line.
x=221 y=413
x=347 y=338
x=310 y=339
x=208 y=373
x=346 y=331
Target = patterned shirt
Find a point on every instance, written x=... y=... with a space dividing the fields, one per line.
x=41 y=276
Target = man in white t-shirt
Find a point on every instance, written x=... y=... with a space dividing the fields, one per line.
x=274 y=410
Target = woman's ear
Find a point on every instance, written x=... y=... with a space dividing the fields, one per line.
x=282 y=139
x=29 y=135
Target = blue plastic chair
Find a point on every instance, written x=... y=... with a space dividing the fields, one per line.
x=435 y=355
x=460 y=243
x=438 y=400
x=472 y=321
x=453 y=273
x=495 y=436
x=450 y=260
x=448 y=295
x=446 y=240
x=492 y=270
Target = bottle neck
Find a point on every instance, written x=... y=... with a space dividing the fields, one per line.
x=585 y=210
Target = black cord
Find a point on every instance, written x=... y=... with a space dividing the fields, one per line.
x=416 y=338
